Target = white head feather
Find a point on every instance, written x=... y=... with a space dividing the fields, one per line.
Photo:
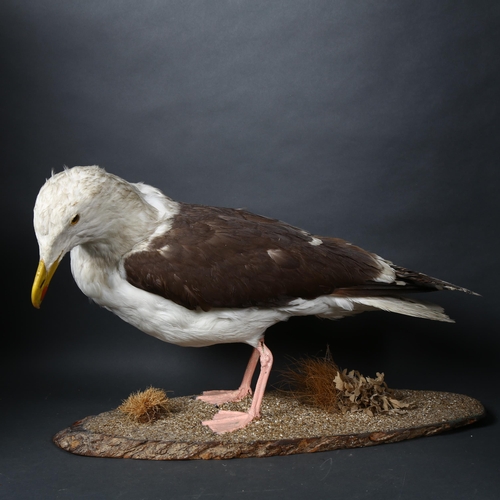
x=87 y=205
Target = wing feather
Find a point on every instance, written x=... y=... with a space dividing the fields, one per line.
x=217 y=257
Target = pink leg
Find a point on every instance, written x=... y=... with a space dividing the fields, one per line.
x=220 y=397
x=227 y=421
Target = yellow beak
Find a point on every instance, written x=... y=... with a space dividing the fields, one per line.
x=41 y=283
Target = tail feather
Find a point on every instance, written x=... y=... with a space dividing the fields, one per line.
x=392 y=294
x=406 y=306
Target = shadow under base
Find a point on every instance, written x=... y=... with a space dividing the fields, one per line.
x=286 y=427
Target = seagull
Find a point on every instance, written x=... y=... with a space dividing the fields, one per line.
x=195 y=275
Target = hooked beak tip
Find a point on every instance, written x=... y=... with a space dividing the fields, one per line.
x=41 y=282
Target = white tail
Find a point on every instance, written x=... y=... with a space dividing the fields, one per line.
x=403 y=305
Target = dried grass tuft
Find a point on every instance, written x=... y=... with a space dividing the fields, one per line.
x=146 y=406
x=320 y=382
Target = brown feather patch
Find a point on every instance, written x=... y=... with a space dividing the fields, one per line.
x=221 y=257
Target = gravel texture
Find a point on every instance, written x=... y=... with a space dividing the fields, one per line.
x=283 y=417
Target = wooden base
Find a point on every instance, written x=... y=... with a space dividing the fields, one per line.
x=80 y=440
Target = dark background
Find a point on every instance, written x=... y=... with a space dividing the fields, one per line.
x=373 y=121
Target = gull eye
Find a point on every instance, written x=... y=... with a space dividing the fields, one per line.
x=75 y=219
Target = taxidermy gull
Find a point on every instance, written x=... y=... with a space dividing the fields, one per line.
x=195 y=276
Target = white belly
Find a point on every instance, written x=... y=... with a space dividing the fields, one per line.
x=172 y=323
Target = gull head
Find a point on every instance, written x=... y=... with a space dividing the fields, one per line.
x=81 y=206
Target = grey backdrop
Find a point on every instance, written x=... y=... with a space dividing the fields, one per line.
x=377 y=122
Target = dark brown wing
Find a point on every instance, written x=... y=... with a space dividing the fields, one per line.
x=218 y=257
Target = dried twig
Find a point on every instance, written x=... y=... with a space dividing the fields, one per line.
x=321 y=383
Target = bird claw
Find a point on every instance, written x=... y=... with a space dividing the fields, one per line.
x=228 y=421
